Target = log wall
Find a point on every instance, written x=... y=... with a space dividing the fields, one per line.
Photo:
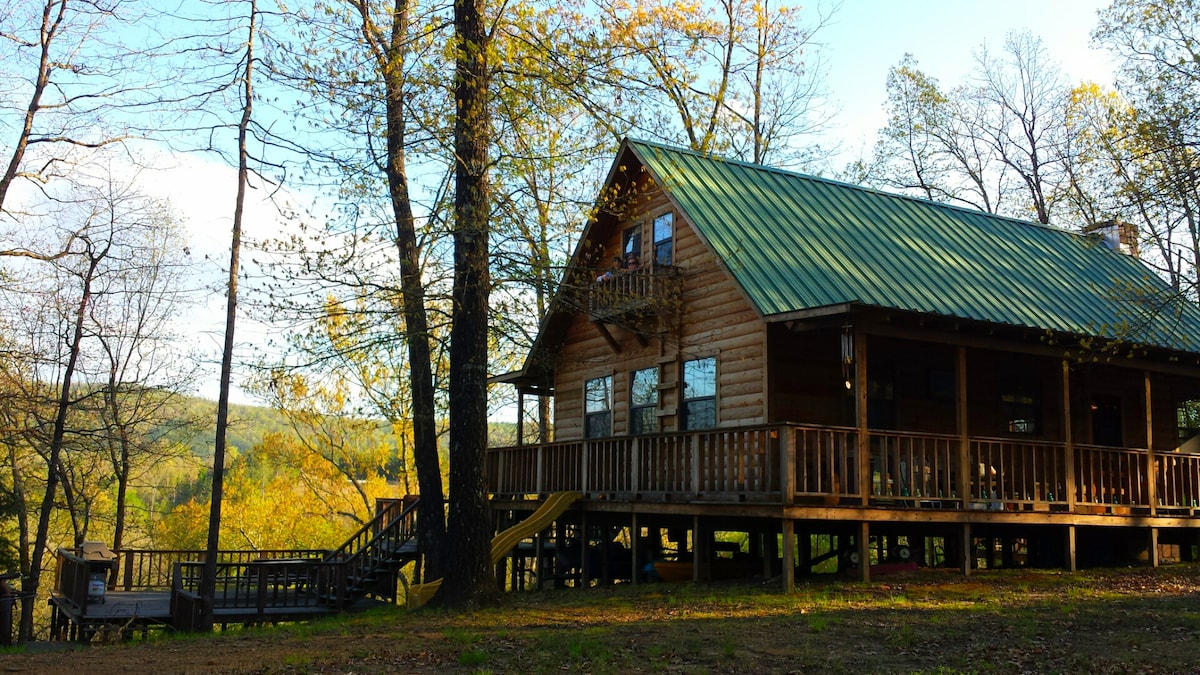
x=713 y=319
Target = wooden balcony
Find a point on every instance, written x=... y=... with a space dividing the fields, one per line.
x=636 y=294
x=791 y=464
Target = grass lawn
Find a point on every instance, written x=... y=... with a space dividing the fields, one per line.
x=1136 y=620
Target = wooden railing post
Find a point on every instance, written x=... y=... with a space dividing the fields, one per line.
x=1069 y=446
x=860 y=397
x=787 y=464
x=634 y=465
x=1151 y=474
x=585 y=466
x=694 y=451
x=540 y=478
x=964 y=443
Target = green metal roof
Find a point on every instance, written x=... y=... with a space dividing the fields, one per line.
x=794 y=242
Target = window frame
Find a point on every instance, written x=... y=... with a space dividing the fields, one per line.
x=591 y=415
x=641 y=413
x=1019 y=403
x=692 y=405
x=631 y=241
x=667 y=243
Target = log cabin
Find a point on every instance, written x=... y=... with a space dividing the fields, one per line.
x=759 y=372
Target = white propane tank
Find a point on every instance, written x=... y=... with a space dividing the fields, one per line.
x=97 y=581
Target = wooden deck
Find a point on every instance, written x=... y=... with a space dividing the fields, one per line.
x=101 y=592
x=792 y=465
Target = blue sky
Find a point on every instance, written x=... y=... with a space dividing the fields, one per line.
x=867 y=37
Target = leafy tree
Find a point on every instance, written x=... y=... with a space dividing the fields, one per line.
x=1152 y=135
x=995 y=143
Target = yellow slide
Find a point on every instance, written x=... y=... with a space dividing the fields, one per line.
x=556 y=504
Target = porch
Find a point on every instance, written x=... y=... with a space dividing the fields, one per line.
x=801 y=464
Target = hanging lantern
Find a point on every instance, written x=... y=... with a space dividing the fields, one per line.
x=848 y=355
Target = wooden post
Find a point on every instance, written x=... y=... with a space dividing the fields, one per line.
x=635 y=466
x=635 y=537
x=585 y=465
x=1154 y=559
x=1070 y=564
x=789 y=555
x=701 y=550
x=541 y=469
x=860 y=410
x=520 y=416
x=966 y=550
x=787 y=464
x=1151 y=473
x=1069 y=449
x=964 y=440
x=539 y=550
x=585 y=567
x=862 y=544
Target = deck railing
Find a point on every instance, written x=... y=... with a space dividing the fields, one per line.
x=644 y=290
x=150 y=570
x=791 y=463
x=738 y=463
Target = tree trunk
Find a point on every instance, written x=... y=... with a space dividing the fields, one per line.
x=209 y=578
x=469 y=579
x=31 y=586
x=431 y=523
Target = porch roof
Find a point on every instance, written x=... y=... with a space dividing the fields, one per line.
x=796 y=242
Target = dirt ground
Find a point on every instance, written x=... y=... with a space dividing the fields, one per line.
x=1137 y=620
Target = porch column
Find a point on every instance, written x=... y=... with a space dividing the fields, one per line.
x=789 y=555
x=635 y=535
x=864 y=551
x=585 y=567
x=966 y=550
x=860 y=410
x=539 y=550
x=520 y=416
x=1154 y=559
x=1151 y=474
x=787 y=464
x=560 y=539
x=1069 y=449
x=1070 y=564
x=701 y=550
x=960 y=421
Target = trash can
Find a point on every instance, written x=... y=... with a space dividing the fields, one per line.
x=101 y=562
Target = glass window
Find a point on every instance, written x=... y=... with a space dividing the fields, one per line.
x=700 y=394
x=631 y=242
x=1188 y=417
x=643 y=401
x=664 y=231
x=597 y=407
x=1020 y=407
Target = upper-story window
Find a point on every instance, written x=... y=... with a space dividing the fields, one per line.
x=631 y=246
x=643 y=401
x=664 y=239
x=597 y=407
x=700 y=394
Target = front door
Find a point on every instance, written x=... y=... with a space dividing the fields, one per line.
x=1106 y=421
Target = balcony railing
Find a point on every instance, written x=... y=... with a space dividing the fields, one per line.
x=790 y=464
x=643 y=291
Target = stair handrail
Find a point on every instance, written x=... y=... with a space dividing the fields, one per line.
x=372 y=529
x=354 y=561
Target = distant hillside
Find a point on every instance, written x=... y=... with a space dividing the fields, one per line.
x=249 y=424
